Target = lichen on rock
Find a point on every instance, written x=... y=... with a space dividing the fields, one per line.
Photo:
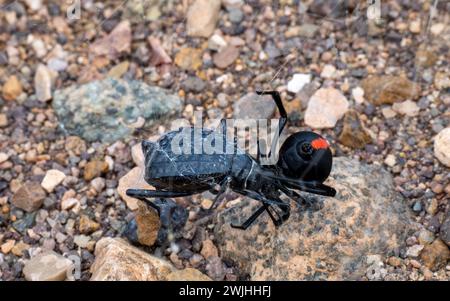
x=110 y=109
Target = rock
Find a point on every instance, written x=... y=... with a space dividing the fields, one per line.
x=232 y=3
x=254 y=106
x=56 y=64
x=408 y=108
x=94 y=169
x=3 y=120
x=98 y=184
x=87 y=226
x=138 y=11
x=354 y=134
x=206 y=203
x=202 y=17
x=81 y=240
x=209 y=249
x=432 y=207
x=375 y=270
x=119 y=70
x=417 y=207
x=7 y=246
x=147 y=221
x=215 y=269
x=325 y=108
x=306 y=30
x=117 y=260
x=149 y=227
x=226 y=56
x=194 y=84
x=435 y=255
x=43 y=83
x=12 y=88
x=444 y=232
x=394 y=261
x=389 y=89
x=235 y=15
x=189 y=58
x=29 y=197
x=137 y=154
x=47 y=266
x=3 y=157
x=108 y=110
x=75 y=145
x=388 y=112
x=414 y=26
x=298 y=81
x=425 y=237
x=358 y=95
x=442 y=146
x=158 y=55
x=414 y=251
x=437 y=28
x=328 y=240
x=328 y=71
x=330 y=8
x=115 y=43
x=22 y=225
x=441 y=80
x=34 y=5
x=20 y=248
x=133 y=179
x=69 y=203
x=188 y=274
x=216 y=42
x=53 y=178
x=425 y=58
x=390 y=160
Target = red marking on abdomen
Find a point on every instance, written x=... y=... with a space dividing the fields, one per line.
x=320 y=143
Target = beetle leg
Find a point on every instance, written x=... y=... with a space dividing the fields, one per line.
x=144 y=194
x=250 y=220
x=256 y=214
x=254 y=195
x=267 y=205
x=223 y=187
x=296 y=197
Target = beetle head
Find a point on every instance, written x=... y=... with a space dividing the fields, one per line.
x=305 y=156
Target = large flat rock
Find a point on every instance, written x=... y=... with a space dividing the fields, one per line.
x=329 y=240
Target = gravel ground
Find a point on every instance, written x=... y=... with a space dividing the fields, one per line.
x=387 y=78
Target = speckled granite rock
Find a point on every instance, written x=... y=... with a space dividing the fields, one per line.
x=111 y=109
x=329 y=240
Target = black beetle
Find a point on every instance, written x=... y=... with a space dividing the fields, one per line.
x=304 y=163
